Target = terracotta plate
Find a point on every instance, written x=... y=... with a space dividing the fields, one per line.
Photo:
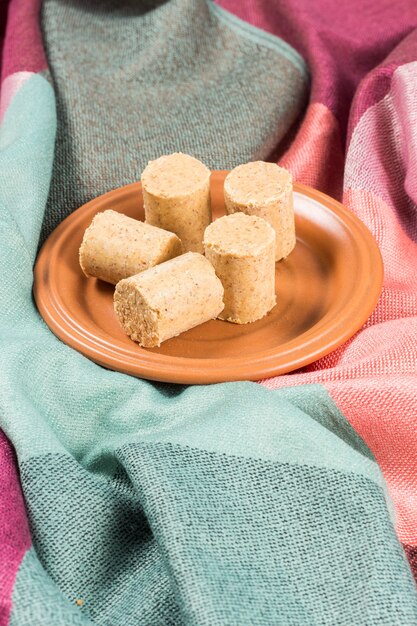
x=326 y=290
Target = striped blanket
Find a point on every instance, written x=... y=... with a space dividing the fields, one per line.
x=289 y=501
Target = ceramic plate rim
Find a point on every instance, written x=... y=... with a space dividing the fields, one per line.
x=184 y=370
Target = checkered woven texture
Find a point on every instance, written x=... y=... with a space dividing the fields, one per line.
x=292 y=501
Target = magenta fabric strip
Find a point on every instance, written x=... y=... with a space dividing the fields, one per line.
x=3 y=21
x=23 y=48
x=340 y=40
x=14 y=529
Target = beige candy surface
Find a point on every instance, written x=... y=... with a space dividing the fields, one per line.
x=241 y=249
x=168 y=299
x=176 y=196
x=115 y=246
x=266 y=190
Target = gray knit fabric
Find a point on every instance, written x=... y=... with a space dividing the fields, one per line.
x=137 y=79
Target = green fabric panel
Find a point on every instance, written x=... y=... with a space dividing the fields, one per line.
x=185 y=536
x=26 y=154
x=190 y=78
x=283 y=544
x=316 y=402
x=37 y=601
x=91 y=421
x=94 y=540
x=279 y=431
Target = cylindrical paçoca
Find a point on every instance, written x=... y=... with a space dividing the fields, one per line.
x=168 y=299
x=116 y=246
x=241 y=249
x=265 y=190
x=176 y=196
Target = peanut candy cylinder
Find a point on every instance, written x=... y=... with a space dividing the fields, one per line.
x=176 y=196
x=241 y=249
x=265 y=190
x=168 y=299
x=115 y=246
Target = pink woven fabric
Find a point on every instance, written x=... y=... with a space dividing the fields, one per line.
x=319 y=135
x=22 y=54
x=341 y=41
x=14 y=530
x=367 y=67
x=23 y=48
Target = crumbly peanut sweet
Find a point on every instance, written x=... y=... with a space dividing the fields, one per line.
x=241 y=249
x=176 y=195
x=168 y=299
x=266 y=190
x=115 y=246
